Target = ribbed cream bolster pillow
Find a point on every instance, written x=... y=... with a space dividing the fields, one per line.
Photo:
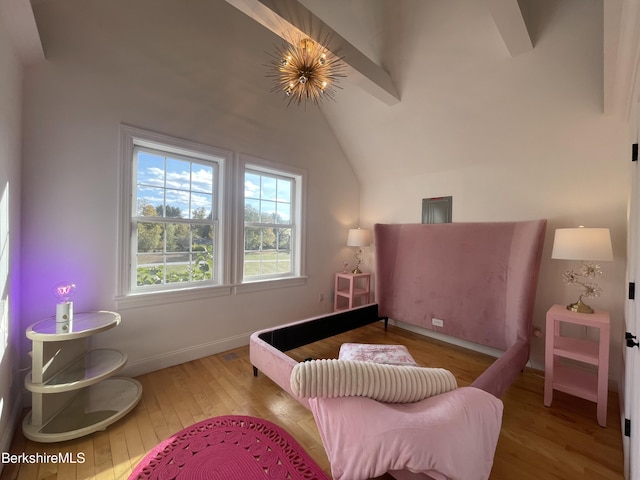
x=385 y=383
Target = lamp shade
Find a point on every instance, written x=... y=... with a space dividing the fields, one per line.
x=358 y=237
x=582 y=244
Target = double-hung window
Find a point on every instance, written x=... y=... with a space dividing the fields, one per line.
x=196 y=216
x=272 y=221
x=175 y=220
x=174 y=212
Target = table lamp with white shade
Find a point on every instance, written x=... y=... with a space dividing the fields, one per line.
x=587 y=245
x=358 y=237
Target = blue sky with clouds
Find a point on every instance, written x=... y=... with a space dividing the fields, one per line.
x=174 y=182
x=188 y=185
x=269 y=195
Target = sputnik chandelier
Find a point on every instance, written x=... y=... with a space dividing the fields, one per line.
x=305 y=71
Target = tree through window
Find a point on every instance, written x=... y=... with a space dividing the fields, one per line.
x=269 y=224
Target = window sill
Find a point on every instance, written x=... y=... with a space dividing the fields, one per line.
x=148 y=299
x=259 y=285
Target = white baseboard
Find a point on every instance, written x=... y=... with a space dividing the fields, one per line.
x=182 y=355
x=447 y=338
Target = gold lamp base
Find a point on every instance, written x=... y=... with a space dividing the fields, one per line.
x=358 y=257
x=580 y=307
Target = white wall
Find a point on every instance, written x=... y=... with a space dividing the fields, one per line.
x=11 y=332
x=510 y=138
x=195 y=72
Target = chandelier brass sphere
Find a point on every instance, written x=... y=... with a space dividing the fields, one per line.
x=305 y=71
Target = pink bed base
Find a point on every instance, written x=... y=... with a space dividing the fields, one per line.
x=480 y=278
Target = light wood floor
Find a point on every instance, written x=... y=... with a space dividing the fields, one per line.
x=562 y=442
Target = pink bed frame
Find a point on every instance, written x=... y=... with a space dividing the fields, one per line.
x=479 y=278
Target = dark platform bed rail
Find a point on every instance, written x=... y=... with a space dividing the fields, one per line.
x=303 y=333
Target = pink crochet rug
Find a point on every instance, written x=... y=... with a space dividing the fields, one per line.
x=229 y=448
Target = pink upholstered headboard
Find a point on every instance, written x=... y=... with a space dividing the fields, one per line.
x=479 y=278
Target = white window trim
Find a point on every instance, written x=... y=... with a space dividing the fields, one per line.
x=231 y=222
x=127 y=296
x=299 y=268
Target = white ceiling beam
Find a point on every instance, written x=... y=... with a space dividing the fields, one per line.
x=17 y=17
x=508 y=18
x=285 y=17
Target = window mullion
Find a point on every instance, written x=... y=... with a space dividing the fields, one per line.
x=268 y=225
x=186 y=221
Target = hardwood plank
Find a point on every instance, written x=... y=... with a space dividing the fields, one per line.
x=30 y=471
x=562 y=442
x=140 y=436
x=120 y=451
x=85 y=447
x=101 y=456
x=49 y=470
x=68 y=469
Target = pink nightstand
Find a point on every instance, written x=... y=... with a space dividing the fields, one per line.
x=574 y=380
x=351 y=290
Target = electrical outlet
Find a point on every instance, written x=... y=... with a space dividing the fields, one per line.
x=436 y=322
x=321 y=297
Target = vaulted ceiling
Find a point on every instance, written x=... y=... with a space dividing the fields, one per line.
x=436 y=63
x=361 y=22
x=283 y=17
x=418 y=65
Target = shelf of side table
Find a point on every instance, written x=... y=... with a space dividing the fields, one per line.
x=85 y=371
x=72 y=387
x=91 y=409
x=590 y=385
x=351 y=290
